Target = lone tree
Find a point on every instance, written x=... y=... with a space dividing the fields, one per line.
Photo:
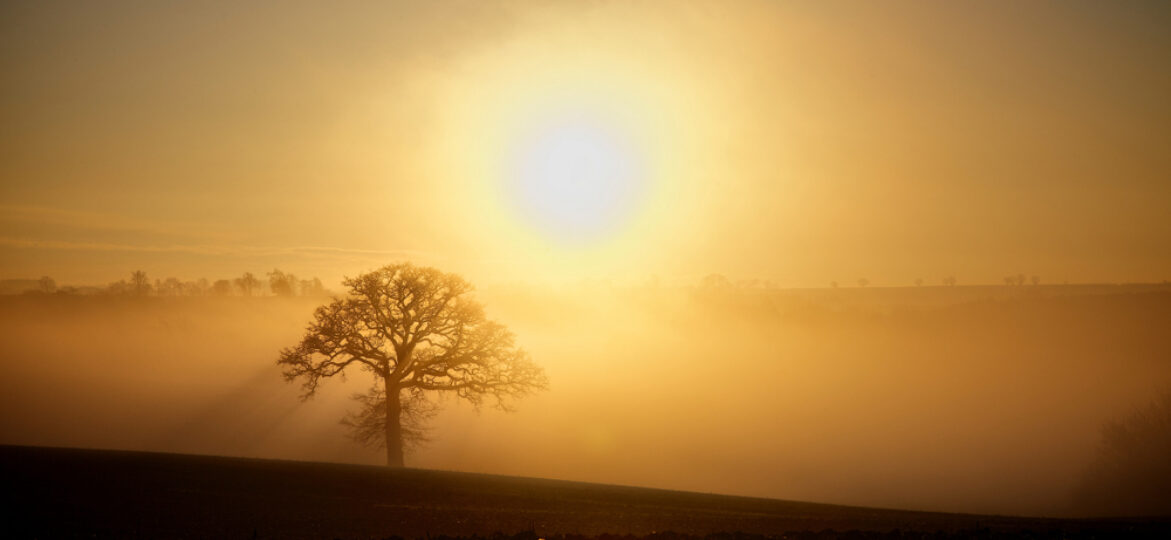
x=417 y=331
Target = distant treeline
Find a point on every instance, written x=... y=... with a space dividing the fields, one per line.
x=277 y=283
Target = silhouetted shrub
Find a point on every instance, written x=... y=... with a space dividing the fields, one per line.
x=1131 y=474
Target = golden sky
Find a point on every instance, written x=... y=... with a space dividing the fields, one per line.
x=795 y=142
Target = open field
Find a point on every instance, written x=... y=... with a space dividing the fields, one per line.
x=953 y=399
x=57 y=493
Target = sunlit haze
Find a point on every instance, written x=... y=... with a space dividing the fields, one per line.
x=575 y=180
x=797 y=143
x=903 y=254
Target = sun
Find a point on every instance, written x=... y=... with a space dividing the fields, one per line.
x=576 y=178
x=571 y=164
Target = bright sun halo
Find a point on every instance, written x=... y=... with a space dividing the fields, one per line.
x=576 y=179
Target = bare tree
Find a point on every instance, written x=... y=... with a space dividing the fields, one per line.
x=418 y=332
x=862 y=282
x=282 y=284
x=139 y=283
x=247 y=283
x=918 y=282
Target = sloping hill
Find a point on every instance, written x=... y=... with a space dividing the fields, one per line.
x=55 y=493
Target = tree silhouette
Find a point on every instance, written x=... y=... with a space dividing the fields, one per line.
x=139 y=283
x=312 y=287
x=282 y=284
x=417 y=331
x=368 y=425
x=246 y=283
x=1131 y=473
x=169 y=287
x=862 y=282
x=221 y=287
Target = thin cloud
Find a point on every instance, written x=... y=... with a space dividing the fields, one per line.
x=212 y=250
x=95 y=221
x=172 y=235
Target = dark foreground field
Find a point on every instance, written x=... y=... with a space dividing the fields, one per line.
x=63 y=493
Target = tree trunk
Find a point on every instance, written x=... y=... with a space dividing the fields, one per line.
x=394 y=430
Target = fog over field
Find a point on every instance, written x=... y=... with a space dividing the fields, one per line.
x=908 y=254
x=973 y=399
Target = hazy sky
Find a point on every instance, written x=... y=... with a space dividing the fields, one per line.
x=796 y=142
x=511 y=142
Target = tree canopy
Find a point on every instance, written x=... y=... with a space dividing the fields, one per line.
x=418 y=331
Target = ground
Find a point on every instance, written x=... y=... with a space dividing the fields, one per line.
x=55 y=493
